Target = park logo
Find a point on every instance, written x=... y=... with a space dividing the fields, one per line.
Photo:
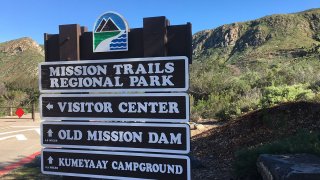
x=110 y=33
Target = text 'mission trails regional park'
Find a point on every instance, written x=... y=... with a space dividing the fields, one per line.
x=161 y=74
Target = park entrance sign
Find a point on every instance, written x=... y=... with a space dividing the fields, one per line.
x=116 y=110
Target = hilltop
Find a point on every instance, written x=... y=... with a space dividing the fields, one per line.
x=287 y=35
x=19 y=62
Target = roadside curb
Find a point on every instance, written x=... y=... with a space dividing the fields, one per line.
x=18 y=164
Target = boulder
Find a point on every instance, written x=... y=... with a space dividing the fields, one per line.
x=289 y=167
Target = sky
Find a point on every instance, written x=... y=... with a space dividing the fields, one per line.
x=32 y=18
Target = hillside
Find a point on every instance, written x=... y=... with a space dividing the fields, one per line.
x=19 y=62
x=263 y=78
x=290 y=35
x=245 y=66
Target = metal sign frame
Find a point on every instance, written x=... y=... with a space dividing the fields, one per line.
x=181 y=157
x=187 y=107
x=186 y=126
x=117 y=90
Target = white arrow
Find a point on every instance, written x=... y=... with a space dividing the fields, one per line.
x=50 y=159
x=49 y=106
x=50 y=133
x=20 y=137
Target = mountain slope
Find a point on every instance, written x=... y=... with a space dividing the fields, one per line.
x=268 y=37
x=249 y=65
x=19 y=62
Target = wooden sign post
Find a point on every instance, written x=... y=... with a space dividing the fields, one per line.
x=122 y=80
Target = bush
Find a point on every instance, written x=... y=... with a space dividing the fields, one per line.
x=316 y=98
x=14 y=97
x=315 y=86
x=303 y=142
x=278 y=94
x=225 y=89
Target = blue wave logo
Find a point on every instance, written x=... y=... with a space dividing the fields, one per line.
x=110 y=33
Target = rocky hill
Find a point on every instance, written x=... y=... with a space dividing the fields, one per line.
x=19 y=62
x=287 y=35
x=245 y=66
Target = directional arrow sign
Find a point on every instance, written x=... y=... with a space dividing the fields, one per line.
x=49 y=106
x=147 y=137
x=115 y=165
x=161 y=74
x=50 y=160
x=151 y=107
x=49 y=133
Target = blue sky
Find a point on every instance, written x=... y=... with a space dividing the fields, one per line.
x=32 y=18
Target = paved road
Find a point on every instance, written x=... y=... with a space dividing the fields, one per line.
x=19 y=138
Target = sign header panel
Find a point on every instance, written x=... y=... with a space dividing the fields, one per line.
x=162 y=74
x=165 y=138
x=153 y=107
x=114 y=165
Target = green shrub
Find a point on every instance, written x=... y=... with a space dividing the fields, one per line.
x=245 y=159
x=315 y=86
x=278 y=94
x=194 y=112
x=316 y=98
x=224 y=88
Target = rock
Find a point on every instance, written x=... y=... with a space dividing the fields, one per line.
x=20 y=45
x=289 y=167
x=231 y=35
x=200 y=127
x=192 y=126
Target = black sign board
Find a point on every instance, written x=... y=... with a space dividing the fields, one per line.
x=161 y=74
x=114 y=165
x=165 y=138
x=158 y=107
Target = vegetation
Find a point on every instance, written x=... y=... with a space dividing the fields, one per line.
x=19 y=75
x=30 y=171
x=237 y=68
x=266 y=65
x=256 y=64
